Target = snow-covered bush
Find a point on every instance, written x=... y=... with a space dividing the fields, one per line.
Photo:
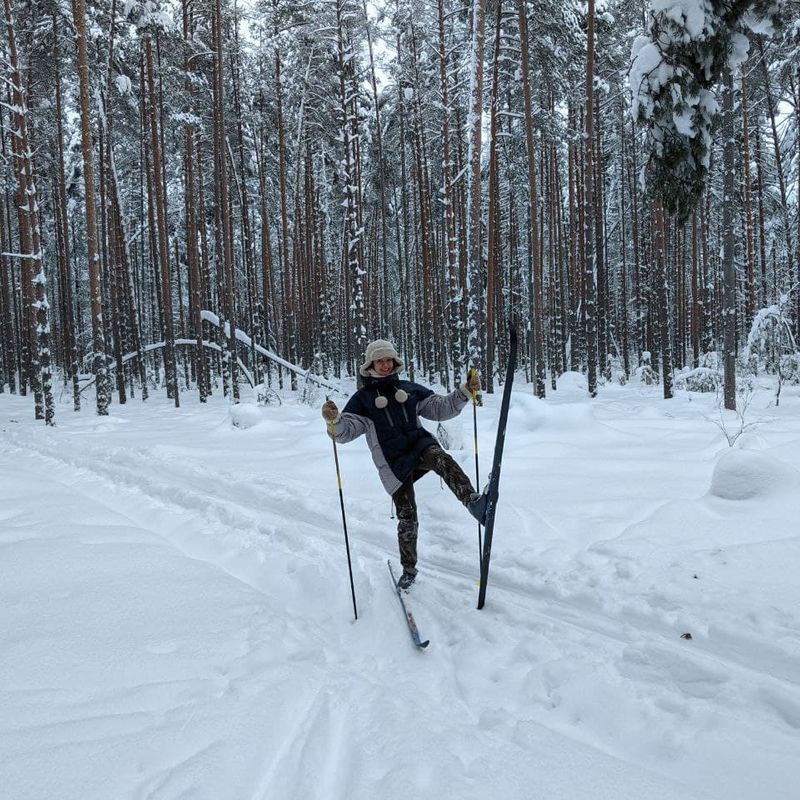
x=645 y=372
x=310 y=393
x=770 y=340
x=310 y=389
x=616 y=370
x=789 y=368
x=705 y=377
x=266 y=396
x=771 y=345
x=700 y=379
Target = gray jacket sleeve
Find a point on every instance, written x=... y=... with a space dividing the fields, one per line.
x=443 y=406
x=348 y=427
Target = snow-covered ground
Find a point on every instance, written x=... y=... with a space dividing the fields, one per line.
x=176 y=619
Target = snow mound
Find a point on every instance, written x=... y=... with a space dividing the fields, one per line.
x=572 y=383
x=745 y=474
x=244 y=415
x=529 y=413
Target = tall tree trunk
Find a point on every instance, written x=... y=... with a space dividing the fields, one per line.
x=772 y=111
x=750 y=283
x=728 y=253
x=661 y=292
x=228 y=286
x=381 y=166
x=289 y=322
x=71 y=365
x=247 y=244
x=427 y=308
x=762 y=227
x=100 y=367
x=697 y=301
x=623 y=211
x=162 y=240
x=455 y=288
x=474 y=125
x=537 y=328
x=353 y=230
x=33 y=265
x=493 y=232
x=7 y=332
x=190 y=210
x=590 y=267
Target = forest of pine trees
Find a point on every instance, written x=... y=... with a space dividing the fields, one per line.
x=316 y=174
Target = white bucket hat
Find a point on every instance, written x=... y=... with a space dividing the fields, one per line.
x=380 y=348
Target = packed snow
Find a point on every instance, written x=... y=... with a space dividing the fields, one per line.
x=176 y=618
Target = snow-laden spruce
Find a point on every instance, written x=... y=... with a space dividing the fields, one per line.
x=675 y=69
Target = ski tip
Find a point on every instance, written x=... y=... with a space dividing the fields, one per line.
x=423 y=645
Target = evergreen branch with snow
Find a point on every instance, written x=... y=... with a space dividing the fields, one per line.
x=675 y=69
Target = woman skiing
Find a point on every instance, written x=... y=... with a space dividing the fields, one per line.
x=387 y=410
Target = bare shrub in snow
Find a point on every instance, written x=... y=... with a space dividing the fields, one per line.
x=733 y=423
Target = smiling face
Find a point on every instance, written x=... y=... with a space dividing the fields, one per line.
x=383 y=366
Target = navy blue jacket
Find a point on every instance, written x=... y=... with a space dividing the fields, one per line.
x=394 y=433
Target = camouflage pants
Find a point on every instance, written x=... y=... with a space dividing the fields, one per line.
x=436 y=460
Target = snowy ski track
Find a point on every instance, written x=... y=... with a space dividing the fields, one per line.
x=249 y=679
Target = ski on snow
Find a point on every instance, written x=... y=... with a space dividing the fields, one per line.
x=494 y=478
x=412 y=625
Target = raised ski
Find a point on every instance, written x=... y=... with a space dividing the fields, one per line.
x=493 y=488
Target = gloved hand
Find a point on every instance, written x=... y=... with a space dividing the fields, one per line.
x=329 y=411
x=473 y=384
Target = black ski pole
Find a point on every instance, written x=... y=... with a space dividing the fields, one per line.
x=332 y=429
x=473 y=371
